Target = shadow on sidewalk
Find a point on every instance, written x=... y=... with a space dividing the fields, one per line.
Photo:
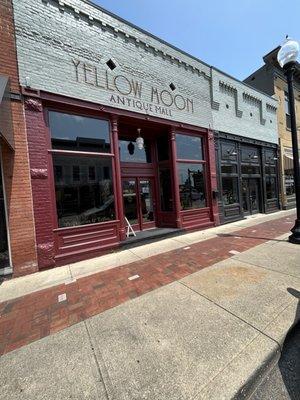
x=251 y=237
x=289 y=363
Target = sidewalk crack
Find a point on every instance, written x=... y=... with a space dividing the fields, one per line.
x=108 y=391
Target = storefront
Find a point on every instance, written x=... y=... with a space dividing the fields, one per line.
x=92 y=177
x=248 y=177
x=247 y=153
x=271 y=80
x=120 y=133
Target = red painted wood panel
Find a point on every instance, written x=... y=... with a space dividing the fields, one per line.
x=198 y=218
x=87 y=241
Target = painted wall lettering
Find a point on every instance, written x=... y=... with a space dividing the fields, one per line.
x=131 y=92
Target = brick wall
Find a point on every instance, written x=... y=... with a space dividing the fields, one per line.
x=16 y=164
x=38 y=153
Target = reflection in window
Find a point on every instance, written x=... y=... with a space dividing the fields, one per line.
x=58 y=173
x=229 y=169
x=271 y=187
x=230 y=190
x=250 y=155
x=162 y=144
x=228 y=151
x=289 y=182
x=80 y=201
x=270 y=170
x=129 y=151
x=76 y=173
x=189 y=147
x=191 y=185
x=250 y=170
x=92 y=173
x=78 y=133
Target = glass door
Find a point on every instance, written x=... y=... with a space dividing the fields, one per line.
x=254 y=196
x=147 y=203
x=139 y=202
x=130 y=200
x=250 y=196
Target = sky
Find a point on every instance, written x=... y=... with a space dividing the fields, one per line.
x=232 y=35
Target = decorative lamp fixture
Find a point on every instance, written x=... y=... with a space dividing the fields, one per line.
x=287 y=59
x=288 y=52
x=232 y=152
x=139 y=140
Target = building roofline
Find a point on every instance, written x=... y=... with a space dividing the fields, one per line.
x=276 y=49
x=245 y=83
x=254 y=72
x=91 y=3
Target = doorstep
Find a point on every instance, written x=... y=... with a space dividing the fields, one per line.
x=150 y=235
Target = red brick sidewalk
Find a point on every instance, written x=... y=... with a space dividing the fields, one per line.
x=31 y=317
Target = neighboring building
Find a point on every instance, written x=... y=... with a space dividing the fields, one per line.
x=93 y=86
x=246 y=135
x=271 y=80
x=17 y=244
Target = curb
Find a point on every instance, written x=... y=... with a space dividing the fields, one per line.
x=260 y=374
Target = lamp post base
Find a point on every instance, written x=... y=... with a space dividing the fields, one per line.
x=295 y=236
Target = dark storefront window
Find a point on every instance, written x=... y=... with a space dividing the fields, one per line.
x=79 y=133
x=80 y=201
x=271 y=187
x=250 y=155
x=250 y=170
x=166 y=196
x=129 y=151
x=230 y=190
x=289 y=182
x=191 y=175
x=162 y=144
x=83 y=184
x=271 y=173
x=229 y=169
x=191 y=185
x=228 y=151
x=229 y=173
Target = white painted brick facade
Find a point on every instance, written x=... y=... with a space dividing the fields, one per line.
x=240 y=110
x=52 y=35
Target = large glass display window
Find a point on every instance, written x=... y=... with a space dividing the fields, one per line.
x=83 y=182
x=191 y=171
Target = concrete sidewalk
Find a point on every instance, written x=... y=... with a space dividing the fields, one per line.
x=210 y=335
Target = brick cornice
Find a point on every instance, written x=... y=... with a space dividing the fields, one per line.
x=93 y=19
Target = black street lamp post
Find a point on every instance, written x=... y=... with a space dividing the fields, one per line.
x=287 y=58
